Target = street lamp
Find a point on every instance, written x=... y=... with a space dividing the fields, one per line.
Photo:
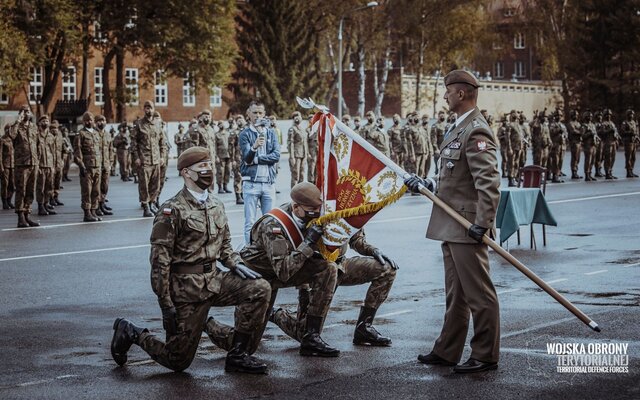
x=370 y=4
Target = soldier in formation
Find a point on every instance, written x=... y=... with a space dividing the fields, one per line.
x=630 y=139
x=396 y=141
x=437 y=136
x=312 y=148
x=296 y=145
x=122 y=143
x=223 y=158
x=574 y=130
x=107 y=150
x=590 y=140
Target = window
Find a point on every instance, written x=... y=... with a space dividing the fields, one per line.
x=188 y=96
x=215 y=97
x=69 y=84
x=518 y=69
x=518 y=41
x=499 y=69
x=161 y=88
x=131 y=82
x=98 y=79
x=35 y=85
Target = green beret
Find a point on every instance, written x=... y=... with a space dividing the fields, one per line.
x=192 y=156
x=461 y=76
x=306 y=194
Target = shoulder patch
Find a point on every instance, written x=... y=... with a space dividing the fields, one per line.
x=276 y=231
x=166 y=211
x=481 y=145
x=475 y=123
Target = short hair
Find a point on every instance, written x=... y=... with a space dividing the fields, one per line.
x=256 y=102
x=470 y=92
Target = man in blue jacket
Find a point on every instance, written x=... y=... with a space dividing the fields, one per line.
x=260 y=154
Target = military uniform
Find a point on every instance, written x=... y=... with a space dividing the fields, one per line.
x=590 y=141
x=312 y=148
x=106 y=147
x=178 y=139
x=397 y=145
x=148 y=148
x=296 y=139
x=59 y=152
x=407 y=134
x=558 y=133
x=379 y=140
x=598 y=157
x=514 y=143
x=121 y=144
x=88 y=156
x=207 y=139
x=541 y=142
x=44 y=180
x=437 y=136
x=421 y=149
x=574 y=129
x=609 y=135
x=469 y=182
x=503 y=139
x=630 y=139
x=7 y=165
x=223 y=160
x=68 y=156
x=526 y=139
x=236 y=159
x=24 y=137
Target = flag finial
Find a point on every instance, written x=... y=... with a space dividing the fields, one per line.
x=308 y=103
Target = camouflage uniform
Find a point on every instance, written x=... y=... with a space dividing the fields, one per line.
x=421 y=149
x=503 y=136
x=179 y=140
x=352 y=271
x=7 y=166
x=147 y=146
x=25 y=150
x=630 y=139
x=437 y=136
x=223 y=159
x=609 y=135
x=121 y=143
x=574 y=129
x=312 y=148
x=514 y=149
x=88 y=156
x=44 y=181
x=396 y=144
x=273 y=256
x=60 y=150
x=68 y=155
x=188 y=235
x=558 y=133
x=297 y=153
x=378 y=139
x=541 y=144
x=236 y=160
x=526 y=139
x=409 y=157
x=599 y=147
x=207 y=139
x=106 y=146
x=590 y=140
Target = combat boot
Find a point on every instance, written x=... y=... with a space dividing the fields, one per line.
x=88 y=217
x=49 y=208
x=95 y=214
x=124 y=335
x=104 y=209
x=238 y=358
x=42 y=210
x=574 y=175
x=239 y=199
x=98 y=211
x=11 y=206
x=58 y=202
x=312 y=344
x=22 y=222
x=5 y=206
x=52 y=202
x=556 y=179
x=220 y=190
x=512 y=182
x=599 y=173
x=146 y=212
x=30 y=221
x=153 y=208
x=365 y=334
x=226 y=189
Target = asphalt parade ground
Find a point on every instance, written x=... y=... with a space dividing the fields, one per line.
x=63 y=284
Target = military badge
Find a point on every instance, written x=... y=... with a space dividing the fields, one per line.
x=166 y=211
x=450 y=165
x=447 y=152
x=276 y=231
x=454 y=145
x=481 y=145
x=475 y=123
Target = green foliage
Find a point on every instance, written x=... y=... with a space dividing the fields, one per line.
x=14 y=52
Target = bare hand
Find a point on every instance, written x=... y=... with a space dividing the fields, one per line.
x=259 y=142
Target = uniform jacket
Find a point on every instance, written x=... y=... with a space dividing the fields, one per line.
x=296 y=139
x=469 y=180
x=222 y=144
x=6 y=152
x=312 y=142
x=25 y=144
x=88 y=153
x=147 y=142
x=379 y=140
x=629 y=131
x=186 y=232
x=437 y=134
x=396 y=140
x=59 y=151
x=106 y=146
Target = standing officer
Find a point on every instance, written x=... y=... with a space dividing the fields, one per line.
x=59 y=152
x=526 y=138
x=437 y=135
x=558 y=136
x=420 y=147
x=410 y=131
x=574 y=129
x=312 y=149
x=189 y=235
x=24 y=137
x=297 y=149
x=610 y=137
x=147 y=150
x=599 y=147
x=68 y=155
x=179 y=139
x=429 y=150
x=377 y=137
x=167 y=150
x=88 y=156
x=236 y=157
x=121 y=143
x=503 y=138
x=590 y=141
x=396 y=141
x=285 y=252
x=223 y=159
x=514 y=148
x=206 y=135
x=44 y=180
x=369 y=126
x=106 y=148
x=630 y=139
x=356 y=124
x=7 y=165
x=470 y=184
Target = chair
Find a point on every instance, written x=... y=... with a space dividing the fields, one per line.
x=534 y=176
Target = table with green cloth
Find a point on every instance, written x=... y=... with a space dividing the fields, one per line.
x=521 y=206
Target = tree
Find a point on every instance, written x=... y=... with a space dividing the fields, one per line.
x=279 y=54
x=14 y=52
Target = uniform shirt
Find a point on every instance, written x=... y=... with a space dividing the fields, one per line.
x=88 y=152
x=187 y=232
x=296 y=142
x=6 y=152
x=147 y=142
x=25 y=144
x=222 y=144
x=396 y=139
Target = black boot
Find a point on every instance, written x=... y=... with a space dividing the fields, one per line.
x=5 y=206
x=574 y=175
x=239 y=199
x=512 y=182
x=220 y=189
x=11 y=206
x=30 y=221
x=226 y=189
x=58 y=202
x=52 y=202
x=98 y=211
x=22 y=222
x=239 y=360
x=365 y=333
x=104 y=209
x=95 y=214
x=599 y=173
x=88 y=217
x=49 y=208
x=42 y=210
x=146 y=212
x=124 y=335
x=312 y=344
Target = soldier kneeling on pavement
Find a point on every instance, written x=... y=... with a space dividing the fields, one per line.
x=190 y=233
x=283 y=249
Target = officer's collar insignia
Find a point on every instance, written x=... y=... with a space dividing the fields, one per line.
x=481 y=145
x=454 y=145
x=475 y=123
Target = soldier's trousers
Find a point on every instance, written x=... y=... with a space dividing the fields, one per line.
x=599 y=156
x=629 y=155
x=296 y=165
x=504 y=164
x=523 y=155
x=237 y=177
x=554 y=159
x=44 y=184
x=357 y=271
x=123 y=161
x=311 y=168
x=513 y=164
x=469 y=290
x=609 y=154
x=589 y=159
x=541 y=156
x=67 y=165
x=163 y=175
x=421 y=163
x=90 y=188
x=321 y=276
x=251 y=298
x=114 y=159
x=576 y=148
x=223 y=171
x=148 y=183
x=7 y=183
x=562 y=151
x=25 y=178
x=57 y=181
x=104 y=183
x=409 y=166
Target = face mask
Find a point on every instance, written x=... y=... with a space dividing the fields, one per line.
x=203 y=179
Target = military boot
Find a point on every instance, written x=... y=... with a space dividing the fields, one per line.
x=512 y=182
x=58 y=202
x=52 y=202
x=599 y=173
x=88 y=217
x=365 y=334
x=226 y=189
x=146 y=212
x=11 y=206
x=239 y=199
x=574 y=175
x=153 y=208
x=30 y=221
x=220 y=190
x=124 y=335
x=42 y=210
x=5 y=206
x=238 y=358
x=98 y=211
x=49 y=208
x=556 y=179
x=94 y=212
x=22 y=222
x=312 y=344
x=104 y=209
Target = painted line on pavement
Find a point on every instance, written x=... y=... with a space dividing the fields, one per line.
x=631 y=265
x=508 y=291
x=39 y=382
x=558 y=280
x=596 y=272
x=606 y=196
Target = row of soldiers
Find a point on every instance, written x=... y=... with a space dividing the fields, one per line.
x=549 y=139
